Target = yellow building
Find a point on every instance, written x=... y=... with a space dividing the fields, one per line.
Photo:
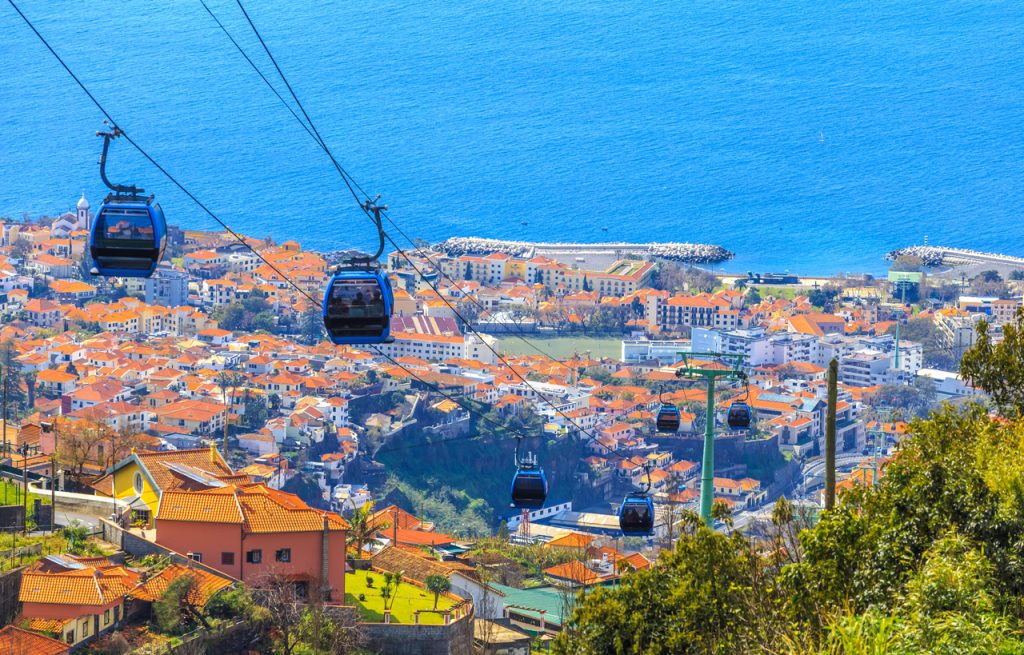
x=515 y=268
x=141 y=478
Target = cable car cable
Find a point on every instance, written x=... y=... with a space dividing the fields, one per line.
x=145 y=154
x=207 y=210
x=345 y=175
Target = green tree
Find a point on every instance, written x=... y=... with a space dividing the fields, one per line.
x=10 y=370
x=998 y=368
x=823 y=296
x=392 y=583
x=437 y=585
x=178 y=608
x=701 y=598
x=362 y=531
x=257 y=411
x=312 y=324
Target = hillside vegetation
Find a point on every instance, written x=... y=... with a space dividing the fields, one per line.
x=463 y=484
x=929 y=561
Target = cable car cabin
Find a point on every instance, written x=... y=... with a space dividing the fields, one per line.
x=636 y=516
x=357 y=307
x=739 y=416
x=529 y=488
x=128 y=237
x=668 y=418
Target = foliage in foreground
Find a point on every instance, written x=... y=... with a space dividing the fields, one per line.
x=930 y=561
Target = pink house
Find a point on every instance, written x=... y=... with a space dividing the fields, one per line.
x=250 y=531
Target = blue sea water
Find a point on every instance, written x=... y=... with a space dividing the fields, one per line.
x=803 y=135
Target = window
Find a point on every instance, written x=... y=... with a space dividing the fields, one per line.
x=137 y=483
x=198 y=557
x=106 y=617
x=117 y=614
x=70 y=637
x=254 y=556
x=283 y=555
x=227 y=559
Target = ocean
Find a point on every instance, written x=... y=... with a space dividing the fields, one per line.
x=804 y=136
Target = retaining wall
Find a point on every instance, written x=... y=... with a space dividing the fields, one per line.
x=10 y=585
x=68 y=501
x=455 y=638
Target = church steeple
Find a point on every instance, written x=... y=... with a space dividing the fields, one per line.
x=83 y=213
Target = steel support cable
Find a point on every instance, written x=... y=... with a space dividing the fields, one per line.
x=239 y=237
x=347 y=178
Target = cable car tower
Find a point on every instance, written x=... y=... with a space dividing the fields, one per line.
x=692 y=370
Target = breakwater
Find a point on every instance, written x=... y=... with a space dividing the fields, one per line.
x=689 y=253
x=941 y=256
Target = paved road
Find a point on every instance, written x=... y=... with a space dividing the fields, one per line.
x=66 y=518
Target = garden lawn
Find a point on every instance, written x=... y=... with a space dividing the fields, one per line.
x=408 y=599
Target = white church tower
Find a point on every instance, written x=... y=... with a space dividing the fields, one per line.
x=83 y=213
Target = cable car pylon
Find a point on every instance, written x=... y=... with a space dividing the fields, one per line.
x=709 y=375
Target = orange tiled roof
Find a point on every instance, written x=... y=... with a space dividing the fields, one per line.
x=15 y=641
x=574 y=571
x=571 y=540
x=257 y=507
x=86 y=586
x=207 y=584
x=197 y=458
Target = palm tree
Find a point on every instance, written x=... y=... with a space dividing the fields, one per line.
x=362 y=532
x=437 y=585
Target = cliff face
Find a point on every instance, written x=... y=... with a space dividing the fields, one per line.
x=464 y=485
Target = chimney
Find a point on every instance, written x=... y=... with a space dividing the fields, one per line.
x=325 y=585
x=213 y=452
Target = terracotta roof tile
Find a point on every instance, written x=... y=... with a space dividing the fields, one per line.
x=15 y=641
x=207 y=584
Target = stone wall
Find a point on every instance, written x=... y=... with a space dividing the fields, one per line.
x=12 y=517
x=68 y=501
x=455 y=638
x=10 y=585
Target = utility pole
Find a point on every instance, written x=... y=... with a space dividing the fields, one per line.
x=707 y=475
x=24 y=481
x=830 y=434
x=53 y=491
x=3 y=370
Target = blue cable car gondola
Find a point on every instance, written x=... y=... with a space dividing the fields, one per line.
x=529 y=487
x=357 y=306
x=668 y=417
x=739 y=413
x=358 y=301
x=636 y=514
x=129 y=232
x=529 y=484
